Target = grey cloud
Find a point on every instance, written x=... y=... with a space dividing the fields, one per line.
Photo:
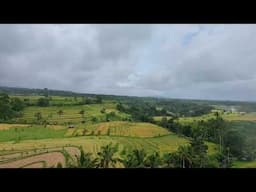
x=144 y=60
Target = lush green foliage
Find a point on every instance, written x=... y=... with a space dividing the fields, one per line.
x=10 y=107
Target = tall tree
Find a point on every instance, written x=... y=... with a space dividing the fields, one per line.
x=154 y=160
x=46 y=92
x=6 y=111
x=184 y=156
x=107 y=156
x=60 y=112
x=43 y=102
x=135 y=159
x=169 y=160
x=81 y=113
x=85 y=160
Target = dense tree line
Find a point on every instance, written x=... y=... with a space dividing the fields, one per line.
x=10 y=107
x=231 y=142
x=145 y=111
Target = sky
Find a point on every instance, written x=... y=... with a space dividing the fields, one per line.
x=206 y=61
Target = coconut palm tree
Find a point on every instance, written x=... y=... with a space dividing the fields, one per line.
x=85 y=160
x=185 y=156
x=106 y=156
x=135 y=159
x=154 y=160
x=168 y=160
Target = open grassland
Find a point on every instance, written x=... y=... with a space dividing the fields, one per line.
x=119 y=128
x=70 y=113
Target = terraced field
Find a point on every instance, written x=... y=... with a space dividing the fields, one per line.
x=70 y=113
x=37 y=159
x=26 y=144
x=168 y=143
x=119 y=128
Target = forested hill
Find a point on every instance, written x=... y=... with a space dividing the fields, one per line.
x=239 y=105
x=31 y=91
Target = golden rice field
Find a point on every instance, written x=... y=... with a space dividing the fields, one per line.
x=119 y=128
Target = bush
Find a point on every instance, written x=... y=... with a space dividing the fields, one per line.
x=59 y=165
x=43 y=102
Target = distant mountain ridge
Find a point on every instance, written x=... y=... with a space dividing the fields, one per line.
x=36 y=91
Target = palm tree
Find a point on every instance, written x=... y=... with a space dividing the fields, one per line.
x=60 y=112
x=135 y=159
x=185 y=156
x=106 y=156
x=168 y=160
x=154 y=160
x=128 y=161
x=85 y=160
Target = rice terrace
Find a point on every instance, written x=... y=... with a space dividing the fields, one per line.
x=127 y=96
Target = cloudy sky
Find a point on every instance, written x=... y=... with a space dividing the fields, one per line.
x=177 y=61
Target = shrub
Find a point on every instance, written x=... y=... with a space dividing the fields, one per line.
x=59 y=165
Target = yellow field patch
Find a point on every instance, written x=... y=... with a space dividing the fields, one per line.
x=4 y=126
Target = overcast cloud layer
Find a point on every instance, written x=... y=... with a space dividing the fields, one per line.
x=180 y=61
